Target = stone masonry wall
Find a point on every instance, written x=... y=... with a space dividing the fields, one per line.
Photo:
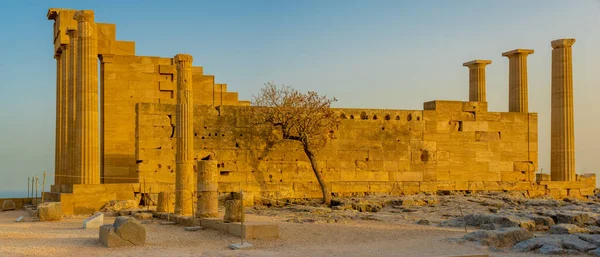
x=450 y=145
x=128 y=80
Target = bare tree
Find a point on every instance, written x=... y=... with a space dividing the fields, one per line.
x=307 y=118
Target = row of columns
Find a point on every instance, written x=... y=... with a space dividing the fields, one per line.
x=562 y=129
x=77 y=116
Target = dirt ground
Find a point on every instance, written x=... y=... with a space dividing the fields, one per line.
x=350 y=237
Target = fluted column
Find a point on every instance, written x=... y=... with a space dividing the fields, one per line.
x=185 y=137
x=518 y=100
x=64 y=163
x=562 y=129
x=58 y=130
x=477 y=79
x=87 y=81
x=72 y=152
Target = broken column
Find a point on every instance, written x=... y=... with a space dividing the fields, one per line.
x=87 y=81
x=477 y=79
x=562 y=135
x=208 y=196
x=72 y=82
x=184 y=176
x=517 y=80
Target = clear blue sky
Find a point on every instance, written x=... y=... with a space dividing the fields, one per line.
x=375 y=54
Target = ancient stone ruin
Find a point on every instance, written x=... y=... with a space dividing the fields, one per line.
x=153 y=119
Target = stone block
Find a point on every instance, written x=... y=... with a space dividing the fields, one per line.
x=214 y=223
x=95 y=221
x=130 y=230
x=50 y=211
x=110 y=239
x=143 y=216
x=254 y=230
x=8 y=205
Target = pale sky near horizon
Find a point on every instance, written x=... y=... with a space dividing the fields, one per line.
x=368 y=54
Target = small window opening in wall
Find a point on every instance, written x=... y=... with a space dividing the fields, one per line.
x=241 y=135
x=418 y=118
x=387 y=117
x=382 y=128
x=195 y=134
x=222 y=135
x=343 y=116
x=159 y=166
x=172 y=171
x=169 y=167
x=374 y=117
x=202 y=137
x=204 y=127
x=351 y=117
x=398 y=117
x=222 y=165
x=367 y=159
x=224 y=173
x=218 y=165
x=364 y=116
x=216 y=135
x=237 y=145
x=460 y=125
x=409 y=117
x=138 y=161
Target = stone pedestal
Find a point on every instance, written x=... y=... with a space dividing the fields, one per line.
x=87 y=80
x=477 y=79
x=208 y=195
x=517 y=80
x=185 y=188
x=72 y=88
x=562 y=135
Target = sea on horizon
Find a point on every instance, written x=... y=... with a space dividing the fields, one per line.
x=14 y=193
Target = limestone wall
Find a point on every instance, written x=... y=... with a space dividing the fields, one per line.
x=450 y=145
x=127 y=80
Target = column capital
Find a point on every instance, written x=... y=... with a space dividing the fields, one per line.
x=72 y=32
x=517 y=52
x=562 y=43
x=477 y=63
x=84 y=16
x=183 y=58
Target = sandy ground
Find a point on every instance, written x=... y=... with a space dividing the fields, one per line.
x=349 y=238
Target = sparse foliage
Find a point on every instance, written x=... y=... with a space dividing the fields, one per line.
x=307 y=118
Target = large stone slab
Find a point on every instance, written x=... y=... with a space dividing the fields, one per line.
x=8 y=205
x=110 y=239
x=567 y=229
x=499 y=238
x=95 y=221
x=49 y=211
x=130 y=230
x=254 y=230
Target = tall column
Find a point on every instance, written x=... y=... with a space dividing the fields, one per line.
x=87 y=82
x=73 y=157
x=477 y=79
x=563 y=139
x=58 y=130
x=185 y=137
x=64 y=163
x=518 y=100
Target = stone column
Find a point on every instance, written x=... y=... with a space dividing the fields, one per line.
x=73 y=154
x=184 y=189
x=64 y=163
x=477 y=79
x=208 y=195
x=87 y=83
x=517 y=80
x=58 y=130
x=563 y=141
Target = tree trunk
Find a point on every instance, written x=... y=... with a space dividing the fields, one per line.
x=315 y=168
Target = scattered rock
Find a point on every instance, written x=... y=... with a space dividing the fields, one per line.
x=95 y=221
x=453 y=223
x=555 y=244
x=125 y=231
x=49 y=211
x=567 y=229
x=118 y=205
x=502 y=237
x=592 y=239
x=367 y=206
x=8 y=205
x=572 y=218
x=143 y=216
x=500 y=220
x=423 y=222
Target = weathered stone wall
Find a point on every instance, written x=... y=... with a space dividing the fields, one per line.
x=450 y=145
x=128 y=80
